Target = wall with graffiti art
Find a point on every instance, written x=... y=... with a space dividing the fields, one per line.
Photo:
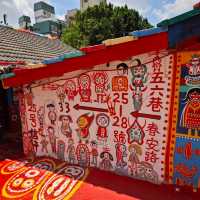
x=185 y=141
x=113 y=117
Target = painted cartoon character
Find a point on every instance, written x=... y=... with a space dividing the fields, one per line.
x=70 y=89
x=83 y=155
x=61 y=150
x=134 y=150
x=120 y=82
x=136 y=132
x=65 y=125
x=84 y=122
x=40 y=116
x=84 y=83
x=52 y=138
x=71 y=151
x=190 y=117
x=61 y=94
x=52 y=113
x=44 y=144
x=106 y=162
x=94 y=153
x=139 y=78
x=120 y=155
x=100 y=80
x=102 y=120
x=194 y=66
x=146 y=172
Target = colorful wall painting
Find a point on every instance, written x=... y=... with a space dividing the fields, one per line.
x=185 y=141
x=113 y=118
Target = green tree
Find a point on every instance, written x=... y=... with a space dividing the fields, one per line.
x=103 y=22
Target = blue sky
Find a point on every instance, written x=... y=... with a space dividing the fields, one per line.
x=154 y=10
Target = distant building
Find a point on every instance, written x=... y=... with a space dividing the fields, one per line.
x=43 y=12
x=70 y=16
x=49 y=27
x=24 y=22
x=84 y=4
x=46 y=22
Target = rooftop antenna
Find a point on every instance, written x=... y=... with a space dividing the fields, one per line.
x=5 y=19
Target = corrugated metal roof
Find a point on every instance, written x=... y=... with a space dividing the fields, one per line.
x=16 y=45
x=179 y=18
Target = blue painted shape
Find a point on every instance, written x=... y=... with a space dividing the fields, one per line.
x=150 y=31
x=191 y=163
x=53 y=60
x=7 y=75
x=184 y=30
x=73 y=54
x=61 y=58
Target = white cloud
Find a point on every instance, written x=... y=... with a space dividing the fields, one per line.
x=61 y=17
x=169 y=10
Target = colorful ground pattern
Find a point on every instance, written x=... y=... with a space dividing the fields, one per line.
x=43 y=179
x=51 y=179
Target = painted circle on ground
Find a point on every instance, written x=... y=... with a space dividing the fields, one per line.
x=60 y=185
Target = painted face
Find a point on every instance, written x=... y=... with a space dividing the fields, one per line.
x=106 y=155
x=65 y=121
x=100 y=79
x=70 y=85
x=84 y=81
x=138 y=71
x=195 y=61
x=195 y=96
x=50 y=130
x=103 y=120
x=82 y=122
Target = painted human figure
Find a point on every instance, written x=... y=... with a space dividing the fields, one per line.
x=44 y=144
x=106 y=162
x=71 y=151
x=102 y=121
x=40 y=116
x=120 y=155
x=52 y=113
x=52 y=138
x=190 y=117
x=194 y=66
x=100 y=80
x=134 y=150
x=94 y=153
x=84 y=122
x=70 y=89
x=65 y=125
x=83 y=154
x=61 y=94
x=139 y=78
x=84 y=83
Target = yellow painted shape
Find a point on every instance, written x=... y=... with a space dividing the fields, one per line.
x=111 y=42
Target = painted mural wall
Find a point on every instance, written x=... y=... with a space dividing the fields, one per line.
x=113 y=118
x=185 y=139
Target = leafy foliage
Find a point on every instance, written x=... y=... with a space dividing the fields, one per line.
x=102 y=22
